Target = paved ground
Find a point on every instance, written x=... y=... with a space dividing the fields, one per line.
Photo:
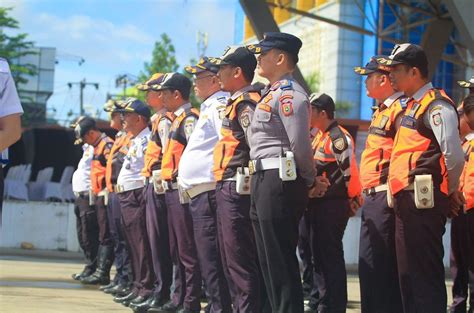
x=41 y=282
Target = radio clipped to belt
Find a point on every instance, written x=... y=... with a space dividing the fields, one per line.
x=287 y=167
x=91 y=197
x=158 y=182
x=183 y=195
x=424 y=194
x=243 y=180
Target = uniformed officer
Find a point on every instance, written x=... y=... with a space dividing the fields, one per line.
x=86 y=218
x=334 y=157
x=120 y=286
x=462 y=226
x=175 y=91
x=156 y=213
x=10 y=123
x=380 y=292
x=129 y=189
x=283 y=172
x=425 y=166
x=197 y=179
x=467 y=84
x=87 y=132
x=231 y=157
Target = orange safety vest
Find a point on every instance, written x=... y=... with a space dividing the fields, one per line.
x=176 y=144
x=99 y=162
x=334 y=138
x=375 y=158
x=116 y=158
x=467 y=178
x=415 y=150
x=153 y=155
x=232 y=150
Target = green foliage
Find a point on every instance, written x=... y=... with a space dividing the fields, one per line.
x=192 y=97
x=14 y=47
x=163 y=59
x=342 y=108
x=313 y=81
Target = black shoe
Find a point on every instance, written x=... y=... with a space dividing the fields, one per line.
x=104 y=263
x=167 y=307
x=129 y=297
x=109 y=286
x=141 y=307
x=117 y=290
x=80 y=276
x=136 y=301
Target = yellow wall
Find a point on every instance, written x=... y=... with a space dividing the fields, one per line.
x=281 y=15
x=248 y=30
x=305 y=5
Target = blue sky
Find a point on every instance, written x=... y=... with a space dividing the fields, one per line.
x=117 y=37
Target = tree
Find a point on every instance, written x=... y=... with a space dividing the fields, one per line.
x=14 y=47
x=163 y=59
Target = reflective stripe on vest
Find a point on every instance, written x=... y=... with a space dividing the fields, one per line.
x=153 y=155
x=375 y=158
x=232 y=150
x=176 y=144
x=115 y=160
x=99 y=162
x=415 y=150
x=467 y=178
x=327 y=166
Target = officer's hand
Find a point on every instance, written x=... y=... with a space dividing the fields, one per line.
x=320 y=187
x=354 y=204
x=457 y=201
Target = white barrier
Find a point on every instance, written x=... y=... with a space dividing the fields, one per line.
x=46 y=225
x=52 y=226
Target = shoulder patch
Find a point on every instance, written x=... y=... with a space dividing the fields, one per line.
x=338 y=138
x=221 y=111
x=286 y=103
x=437 y=120
x=286 y=84
x=339 y=144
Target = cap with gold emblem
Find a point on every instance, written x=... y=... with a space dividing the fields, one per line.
x=152 y=83
x=466 y=83
x=203 y=65
x=275 y=40
x=373 y=66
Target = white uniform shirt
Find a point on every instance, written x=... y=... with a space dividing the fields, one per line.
x=135 y=158
x=9 y=100
x=81 y=179
x=196 y=164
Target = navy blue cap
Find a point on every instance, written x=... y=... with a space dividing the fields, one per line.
x=373 y=66
x=176 y=81
x=237 y=56
x=275 y=40
x=406 y=53
x=322 y=102
x=203 y=65
x=466 y=83
x=134 y=105
x=152 y=83
x=82 y=125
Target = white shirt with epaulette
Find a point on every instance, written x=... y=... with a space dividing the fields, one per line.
x=196 y=164
x=135 y=159
x=81 y=179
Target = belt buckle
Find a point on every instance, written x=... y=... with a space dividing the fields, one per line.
x=251 y=167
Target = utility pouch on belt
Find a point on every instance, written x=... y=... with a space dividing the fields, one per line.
x=183 y=195
x=158 y=182
x=390 y=199
x=287 y=167
x=106 y=197
x=243 y=181
x=424 y=195
x=91 y=198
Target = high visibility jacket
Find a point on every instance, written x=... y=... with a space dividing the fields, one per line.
x=153 y=154
x=467 y=178
x=375 y=158
x=176 y=144
x=416 y=150
x=115 y=159
x=232 y=150
x=335 y=159
x=99 y=162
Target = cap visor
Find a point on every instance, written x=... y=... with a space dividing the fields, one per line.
x=362 y=70
x=258 y=48
x=387 y=61
x=194 y=69
x=465 y=84
x=78 y=141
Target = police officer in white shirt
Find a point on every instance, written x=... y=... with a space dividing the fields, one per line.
x=10 y=112
x=86 y=218
x=197 y=179
x=136 y=116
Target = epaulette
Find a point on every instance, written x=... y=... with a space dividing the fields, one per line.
x=286 y=84
x=403 y=102
x=222 y=100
